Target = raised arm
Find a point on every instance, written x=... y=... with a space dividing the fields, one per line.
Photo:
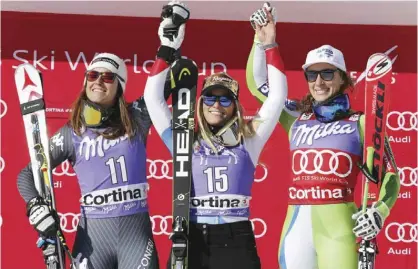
x=265 y=120
x=171 y=37
x=256 y=74
x=158 y=109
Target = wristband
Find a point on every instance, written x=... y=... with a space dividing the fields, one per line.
x=269 y=46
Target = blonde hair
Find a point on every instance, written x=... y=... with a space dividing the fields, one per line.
x=203 y=130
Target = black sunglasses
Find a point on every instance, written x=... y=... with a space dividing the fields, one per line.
x=326 y=74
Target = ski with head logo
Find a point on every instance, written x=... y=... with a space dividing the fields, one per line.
x=378 y=79
x=29 y=87
x=184 y=76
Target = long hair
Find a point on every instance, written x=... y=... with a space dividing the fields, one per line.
x=204 y=132
x=119 y=126
x=305 y=105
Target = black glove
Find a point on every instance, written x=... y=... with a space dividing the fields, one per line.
x=42 y=217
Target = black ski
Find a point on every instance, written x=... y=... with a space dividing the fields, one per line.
x=184 y=76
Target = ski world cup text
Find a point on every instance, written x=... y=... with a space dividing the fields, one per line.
x=78 y=60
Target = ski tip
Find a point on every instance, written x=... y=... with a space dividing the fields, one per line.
x=26 y=66
x=394 y=59
x=377 y=56
x=391 y=49
x=378 y=65
x=28 y=83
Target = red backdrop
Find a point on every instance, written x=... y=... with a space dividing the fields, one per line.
x=62 y=45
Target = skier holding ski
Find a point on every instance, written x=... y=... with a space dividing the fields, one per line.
x=326 y=141
x=105 y=143
x=225 y=154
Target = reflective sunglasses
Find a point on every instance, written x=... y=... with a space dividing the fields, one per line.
x=326 y=74
x=107 y=77
x=210 y=100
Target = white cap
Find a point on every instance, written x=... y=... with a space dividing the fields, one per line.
x=325 y=54
x=113 y=63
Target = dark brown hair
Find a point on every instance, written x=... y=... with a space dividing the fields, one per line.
x=305 y=105
x=118 y=127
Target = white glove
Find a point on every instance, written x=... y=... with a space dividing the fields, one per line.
x=178 y=11
x=369 y=223
x=41 y=217
x=260 y=16
x=170 y=35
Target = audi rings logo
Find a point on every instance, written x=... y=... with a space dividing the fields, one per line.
x=162 y=225
x=405 y=121
x=3 y=108
x=159 y=169
x=265 y=173
x=408 y=176
x=2 y=164
x=64 y=169
x=69 y=221
x=319 y=158
x=402 y=232
x=259 y=227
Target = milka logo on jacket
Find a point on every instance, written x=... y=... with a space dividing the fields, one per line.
x=306 y=135
x=98 y=145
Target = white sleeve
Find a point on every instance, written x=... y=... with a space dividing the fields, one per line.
x=158 y=109
x=259 y=67
x=269 y=114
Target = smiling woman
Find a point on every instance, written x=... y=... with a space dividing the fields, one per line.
x=101 y=102
x=225 y=153
x=105 y=142
x=326 y=141
x=327 y=77
x=101 y=86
